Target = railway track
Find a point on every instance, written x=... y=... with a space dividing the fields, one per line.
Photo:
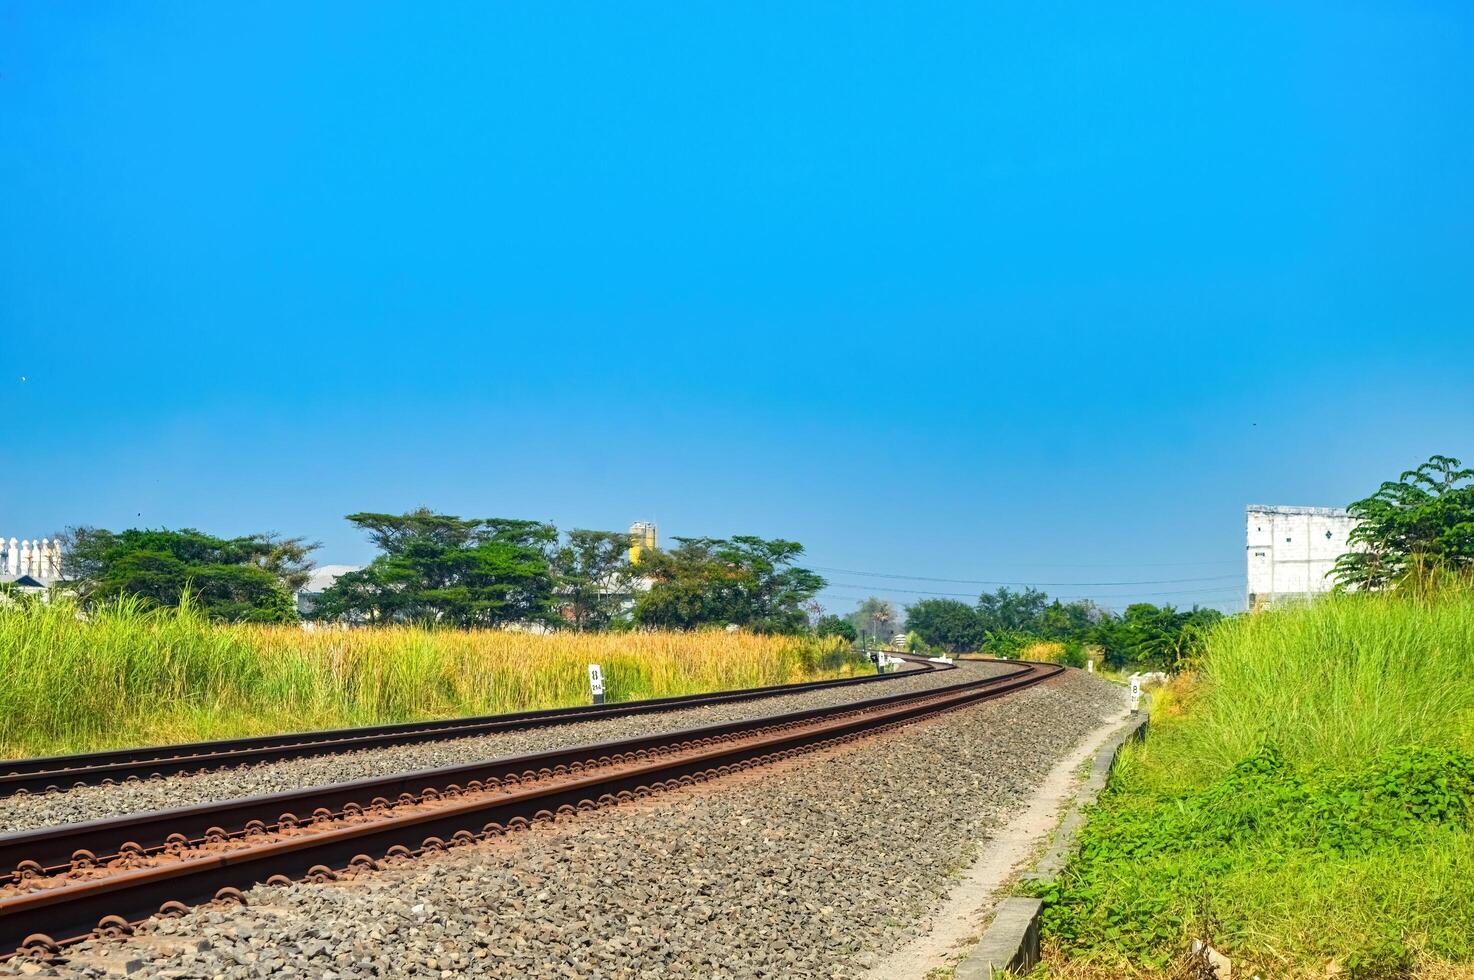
x=63 y=884
x=23 y=776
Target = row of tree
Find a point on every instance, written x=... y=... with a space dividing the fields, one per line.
x=452 y=571
x=447 y=570
x=442 y=569
x=1006 y=621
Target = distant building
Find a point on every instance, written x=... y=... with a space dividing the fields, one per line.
x=643 y=537
x=38 y=558
x=1291 y=551
x=317 y=583
x=30 y=565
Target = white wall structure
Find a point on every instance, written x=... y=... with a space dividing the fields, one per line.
x=318 y=580
x=39 y=558
x=1291 y=551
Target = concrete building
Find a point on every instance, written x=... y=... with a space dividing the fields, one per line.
x=1291 y=551
x=317 y=582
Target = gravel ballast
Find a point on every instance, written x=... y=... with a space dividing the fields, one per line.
x=96 y=802
x=799 y=870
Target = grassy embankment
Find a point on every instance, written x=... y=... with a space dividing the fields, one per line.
x=129 y=676
x=1306 y=805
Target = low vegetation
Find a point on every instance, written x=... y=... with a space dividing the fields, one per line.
x=1306 y=806
x=128 y=672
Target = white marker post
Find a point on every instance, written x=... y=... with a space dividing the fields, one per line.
x=1090 y=666
x=596 y=683
x=1135 y=693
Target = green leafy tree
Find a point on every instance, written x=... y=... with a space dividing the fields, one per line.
x=595 y=580
x=1007 y=611
x=945 y=623
x=245 y=579
x=1157 y=637
x=1423 y=522
x=1066 y=621
x=836 y=626
x=439 y=569
x=744 y=581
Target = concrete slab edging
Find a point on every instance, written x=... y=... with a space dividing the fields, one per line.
x=1011 y=944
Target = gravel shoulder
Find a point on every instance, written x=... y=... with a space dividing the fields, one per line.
x=808 y=869
x=96 y=802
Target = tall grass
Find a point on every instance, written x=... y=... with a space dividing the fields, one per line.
x=1306 y=802
x=127 y=674
x=1341 y=680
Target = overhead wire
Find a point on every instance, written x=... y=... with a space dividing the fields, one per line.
x=1215 y=597
x=973 y=595
x=973 y=581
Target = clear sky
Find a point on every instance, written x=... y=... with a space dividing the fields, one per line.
x=998 y=292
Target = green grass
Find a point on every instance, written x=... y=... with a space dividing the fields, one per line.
x=1309 y=807
x=1342 y=680
x=127 y=675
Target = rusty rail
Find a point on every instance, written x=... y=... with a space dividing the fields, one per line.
x=21 y=776
x=99 y=877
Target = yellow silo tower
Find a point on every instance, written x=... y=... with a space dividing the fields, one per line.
x=643 y=537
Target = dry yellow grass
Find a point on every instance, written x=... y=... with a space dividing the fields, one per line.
x=130 y=675
x=1044 y=651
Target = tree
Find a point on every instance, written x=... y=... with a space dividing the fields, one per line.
x=873 y=616
x=1007 y=611
x=245 y=579
x=1069 y=620
x=836 y=626
x=1423 y=522
x=954 y=626
x=744 y=581
x=447 y=570
x=594 y=578
x=1159 y=637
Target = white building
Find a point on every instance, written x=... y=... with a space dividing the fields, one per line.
x=1291 y=551
x=31 y=564
x=318 y=582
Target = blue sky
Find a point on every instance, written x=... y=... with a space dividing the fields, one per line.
x=1026 y=293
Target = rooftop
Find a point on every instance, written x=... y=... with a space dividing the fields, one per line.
x=325 y=575
x=1282 y=509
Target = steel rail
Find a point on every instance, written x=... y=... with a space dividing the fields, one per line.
x=22 y=776
x=194 y=865
x=53 y=847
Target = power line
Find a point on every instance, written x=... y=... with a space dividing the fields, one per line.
x=1125 y=564
x=1119 y=607
x=972 y=595
x=1236 y=599
x=973 y=581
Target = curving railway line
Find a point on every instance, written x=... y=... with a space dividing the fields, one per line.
x=21 y=776
x=64 y=884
